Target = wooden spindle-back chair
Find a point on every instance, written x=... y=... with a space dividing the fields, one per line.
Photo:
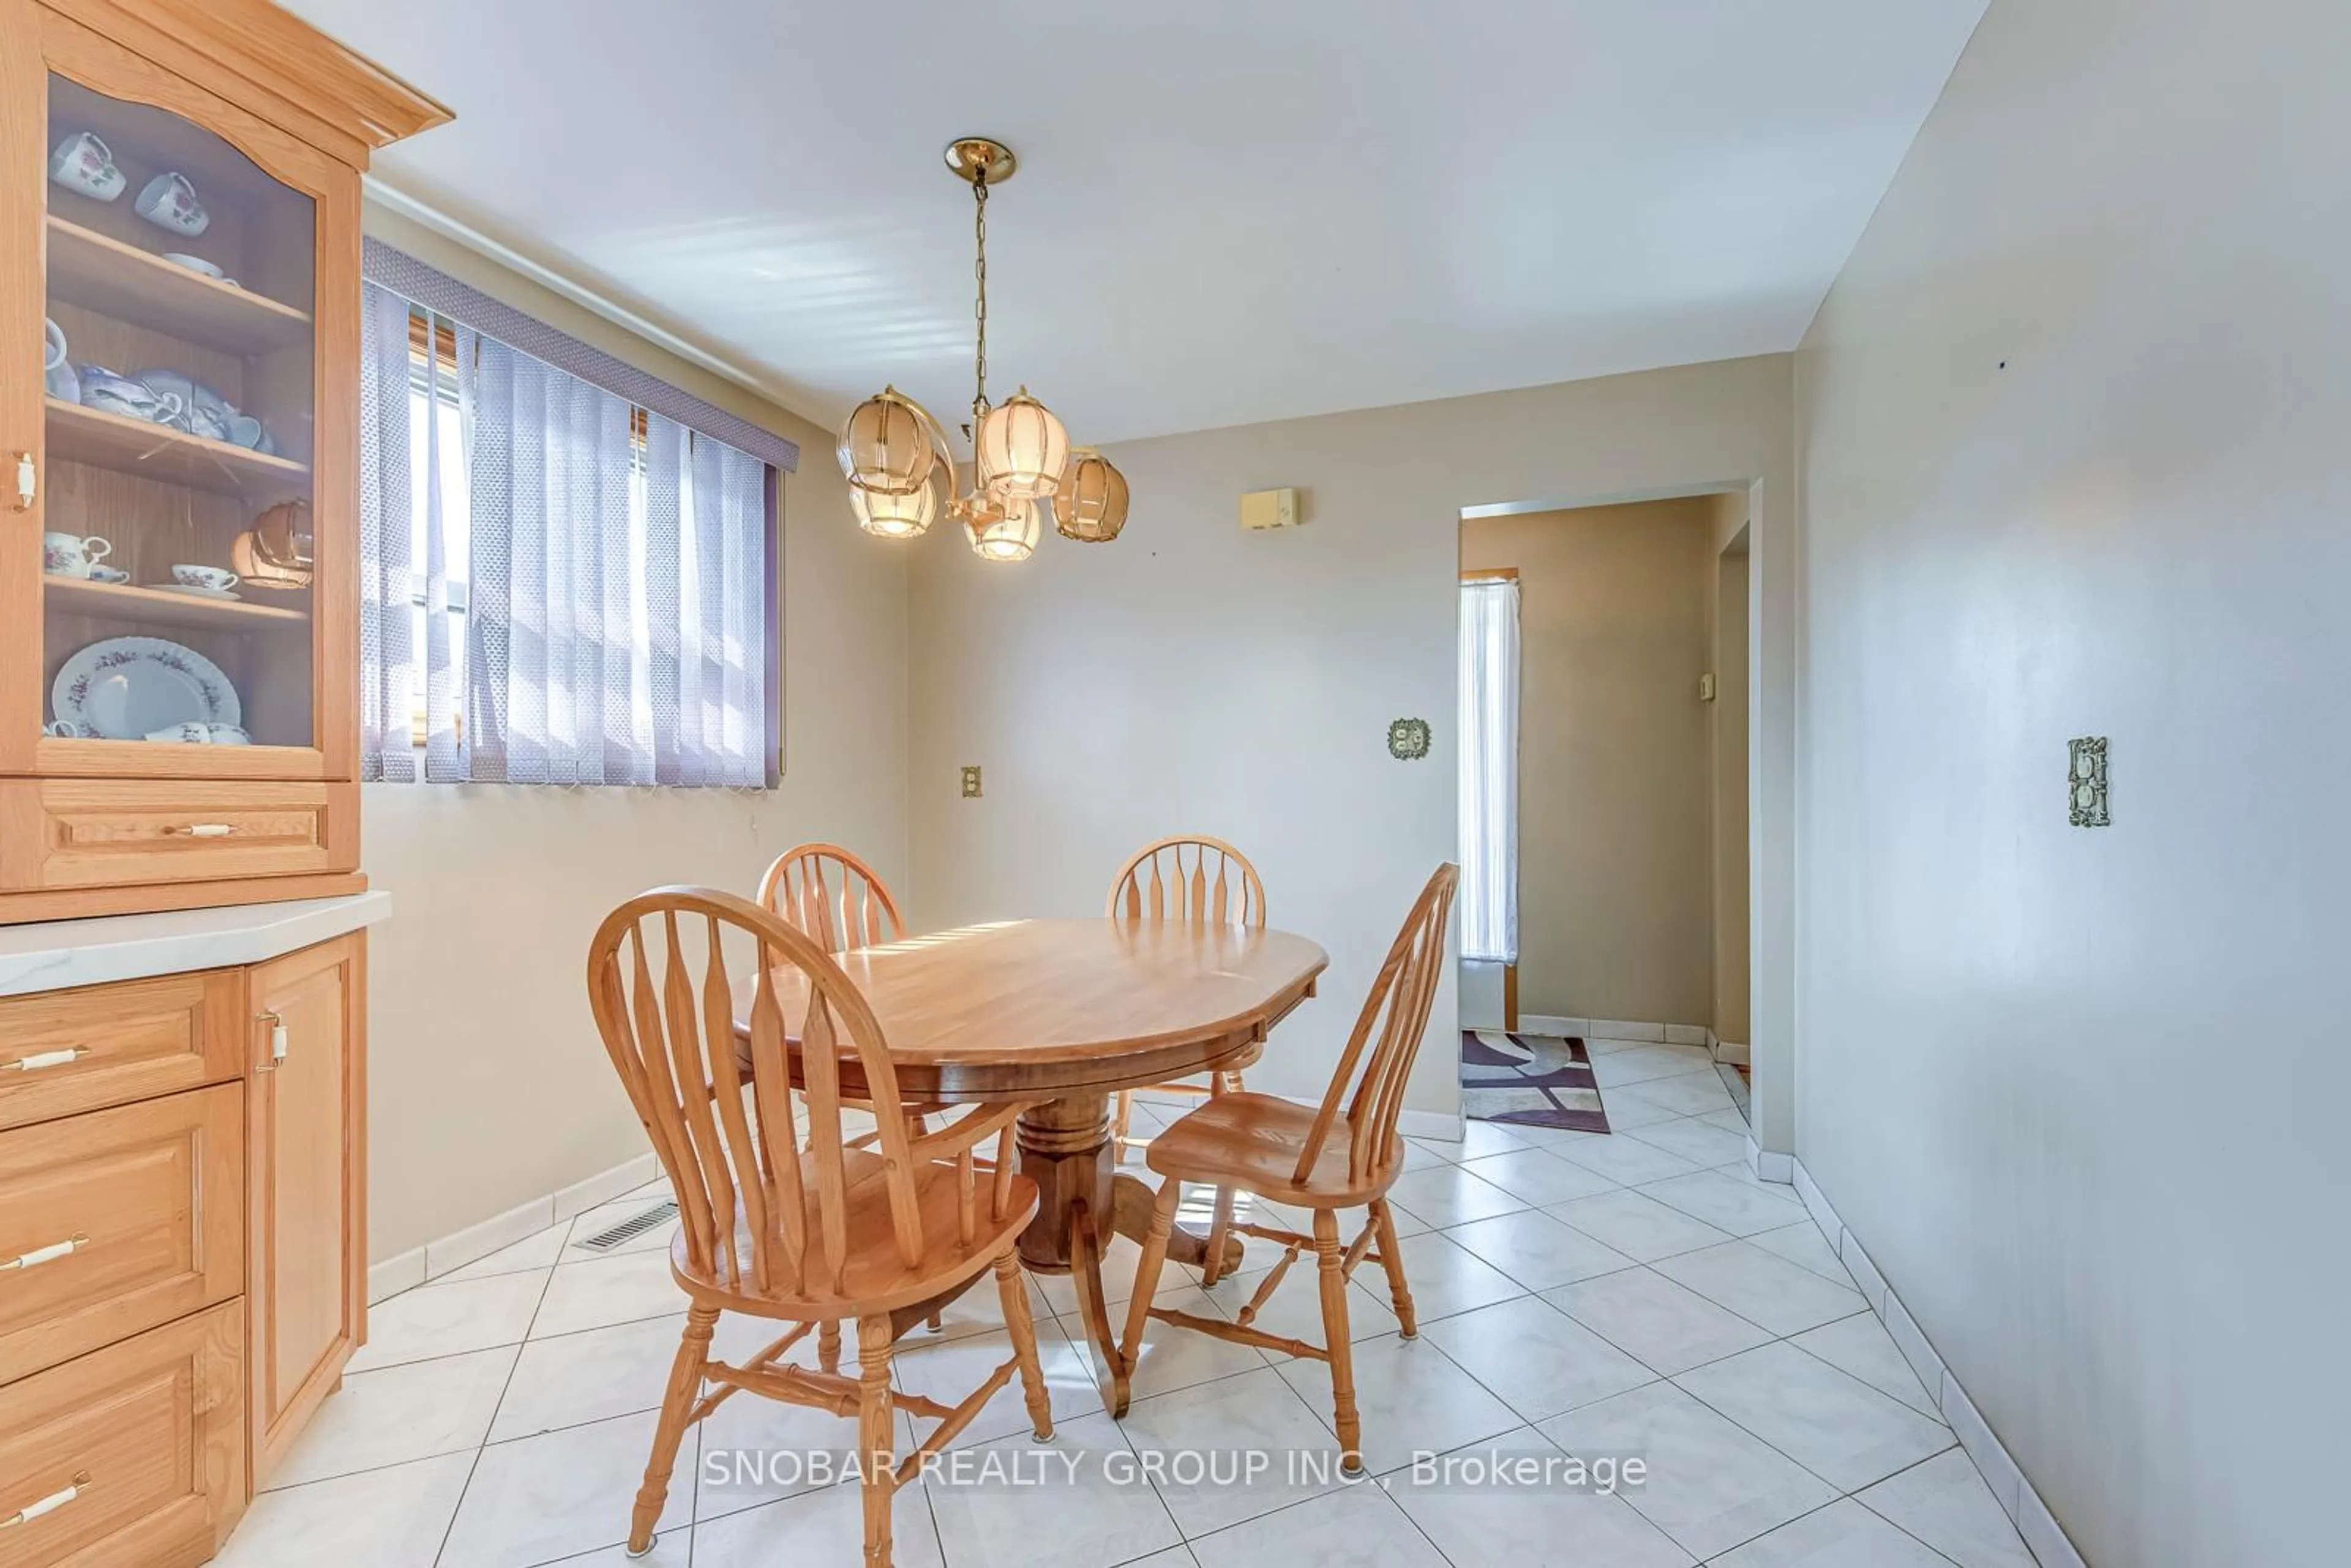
x=1188 y=878
x=833 y=896
x=842 y=905
x=1344 y=1153
x=780 y=1215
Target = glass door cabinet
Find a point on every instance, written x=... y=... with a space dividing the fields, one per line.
x=178 y=580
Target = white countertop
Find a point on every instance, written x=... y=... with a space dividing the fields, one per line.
x=58 y=953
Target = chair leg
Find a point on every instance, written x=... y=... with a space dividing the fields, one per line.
x=877 y=1452
x=917 y=1126
x=1392 y=1260
x=1334 y=1259
x=684 y=1387
x=1014 y=1293
x=1219 y=1230
x=1146 y=1279
x=828 y=1347
x=1118 y=1149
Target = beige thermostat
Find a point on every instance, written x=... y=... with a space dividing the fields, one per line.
x=1270 y=509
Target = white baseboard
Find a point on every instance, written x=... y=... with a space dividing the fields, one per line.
x=1735 y=1052
x=1437 y=1124
x=2042 y=1535
x=413 y=1267
x=1615 y=1029
x=1767 y=1166
x=397 y=1273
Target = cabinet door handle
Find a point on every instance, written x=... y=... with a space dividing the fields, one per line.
x=49 y=1254
x=278 y=1039
x=204 y=830
x=27 y=481
x=41 y=1059
x=49 y=1504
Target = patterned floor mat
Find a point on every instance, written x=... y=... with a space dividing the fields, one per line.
x=1542 y=1080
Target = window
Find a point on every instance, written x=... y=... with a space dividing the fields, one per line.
x=559 y=585
x=1489 y=768
x=434 y=428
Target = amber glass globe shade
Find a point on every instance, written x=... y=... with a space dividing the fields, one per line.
x=884 y=449
x=1019 y=450
x=1090 y=505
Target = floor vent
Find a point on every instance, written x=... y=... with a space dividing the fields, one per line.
x=612 y=1235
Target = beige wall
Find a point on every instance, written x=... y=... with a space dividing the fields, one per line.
x=487 y=1086
x=1195 y=676
x=1728 y=759
x=1616 y=891
x=2074 y=431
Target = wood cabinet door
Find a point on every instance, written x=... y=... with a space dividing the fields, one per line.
x=23 y=125
x=306 y=1162
x=192 y=268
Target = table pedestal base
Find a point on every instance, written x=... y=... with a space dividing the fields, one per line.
x=1084 y=1199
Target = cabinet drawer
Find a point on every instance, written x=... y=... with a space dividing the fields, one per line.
x=63 y=1051
x=133 y=1454
x=116 y=832
x=114 y=1221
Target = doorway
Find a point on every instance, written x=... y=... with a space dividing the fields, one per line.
x=1603 y=926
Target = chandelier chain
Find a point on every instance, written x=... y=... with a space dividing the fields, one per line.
x=979 y=275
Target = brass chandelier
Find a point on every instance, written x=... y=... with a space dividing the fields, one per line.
x=902 y=472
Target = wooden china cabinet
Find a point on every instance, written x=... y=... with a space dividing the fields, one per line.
x=182 y=1154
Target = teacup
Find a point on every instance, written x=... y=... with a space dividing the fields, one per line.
x=246 y=431
x=211 y=579
x=82 y=163
x=58 y=377
x=169 y=201
x=72 y=555
x=202 y=735
x=108 y=574
x=66 y=729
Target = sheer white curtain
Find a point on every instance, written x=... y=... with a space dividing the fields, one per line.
x=1489 y=771
x=611 y=626
x=387 y=576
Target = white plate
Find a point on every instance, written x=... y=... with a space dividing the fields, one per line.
x=191 y=589
x=126 y=688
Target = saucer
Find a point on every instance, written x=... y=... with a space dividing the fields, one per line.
x=192 y=592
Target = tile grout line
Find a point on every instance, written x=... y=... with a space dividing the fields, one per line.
x=505 y=1389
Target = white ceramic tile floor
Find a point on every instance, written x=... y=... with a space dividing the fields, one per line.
x=500 y=1415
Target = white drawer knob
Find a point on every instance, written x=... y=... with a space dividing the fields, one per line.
x=49 y=1254
x=41 y=1059
x=49 y=1504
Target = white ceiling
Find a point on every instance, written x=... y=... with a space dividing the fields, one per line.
x=1226 y=212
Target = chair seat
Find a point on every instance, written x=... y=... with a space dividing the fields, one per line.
x=875 y=1276
x=1253 y=1140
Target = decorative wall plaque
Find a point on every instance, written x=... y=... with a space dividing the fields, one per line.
x=2086 y=781
x=1408 y=739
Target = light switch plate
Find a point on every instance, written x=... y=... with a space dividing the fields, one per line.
x=971 y=782
x=2085 y=782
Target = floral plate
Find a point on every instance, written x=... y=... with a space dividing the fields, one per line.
x=125 y=688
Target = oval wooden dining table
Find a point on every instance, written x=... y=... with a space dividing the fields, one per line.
x=1066 y=1013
